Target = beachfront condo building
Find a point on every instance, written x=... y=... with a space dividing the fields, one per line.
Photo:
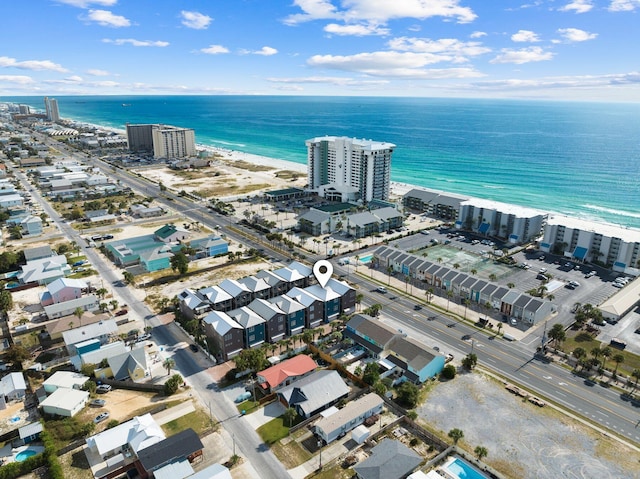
x=164 y=141
x=516 y=224
x=51 y=108
x=349 y=169
x=612 y=246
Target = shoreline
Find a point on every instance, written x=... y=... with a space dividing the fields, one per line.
x=398 y=189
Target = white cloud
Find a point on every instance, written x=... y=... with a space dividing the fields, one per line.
x=379 y=11
x=447 y=46
x=576 y=35
x=525 y=36
x=581 y=81
x=74 y=78
x=360 y=30
x=392 y=64
x=86 y=3
x=524 y=55
x=578 y=6
x=623 y=5
x=339 y=81
x=97 y=73
x=266 y=51
x=107 y=19
x=215 y=49
x=478 y=35
x=195 y=20
x=18 y=79
x=8 y=62
x=136 y=43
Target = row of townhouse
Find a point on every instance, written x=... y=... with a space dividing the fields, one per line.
x=509 y=302
x=267 y=307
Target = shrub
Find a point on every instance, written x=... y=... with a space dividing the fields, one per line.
x=449 y=371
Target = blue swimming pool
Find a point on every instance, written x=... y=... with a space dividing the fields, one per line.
x=24 y=455
x=366 y=258
x=463 y=470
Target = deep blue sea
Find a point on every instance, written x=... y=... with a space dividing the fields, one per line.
x=581 y=159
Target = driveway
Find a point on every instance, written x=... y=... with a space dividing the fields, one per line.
x=265 y=414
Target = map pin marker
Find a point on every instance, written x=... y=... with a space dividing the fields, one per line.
x=323 y=271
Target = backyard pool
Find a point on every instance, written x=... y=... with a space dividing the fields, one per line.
x=461 y=469
x=365 y=259
x=26 y=452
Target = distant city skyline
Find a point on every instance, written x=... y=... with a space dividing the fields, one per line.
x=530 y=49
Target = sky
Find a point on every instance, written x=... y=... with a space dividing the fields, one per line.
x=583 y=50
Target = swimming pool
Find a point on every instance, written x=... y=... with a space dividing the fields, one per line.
x=461 y=469
x=24 y=455
x=366 y=258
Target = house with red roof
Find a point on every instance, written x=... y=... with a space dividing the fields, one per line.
x=286 y=372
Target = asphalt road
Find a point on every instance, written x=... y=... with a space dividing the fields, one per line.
x=602 y=406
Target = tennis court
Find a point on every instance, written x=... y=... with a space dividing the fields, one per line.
x=449 y=256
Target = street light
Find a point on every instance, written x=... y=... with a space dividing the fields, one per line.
x=320 y=447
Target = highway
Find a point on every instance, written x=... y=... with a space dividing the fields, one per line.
x=601 y=406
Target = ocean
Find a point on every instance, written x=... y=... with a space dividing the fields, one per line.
x=579 y=159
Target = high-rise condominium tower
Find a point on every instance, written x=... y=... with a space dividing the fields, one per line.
x=51 y=107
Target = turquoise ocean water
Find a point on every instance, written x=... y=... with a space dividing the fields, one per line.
x=580 y=159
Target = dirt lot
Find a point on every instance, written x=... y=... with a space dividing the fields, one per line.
x=524 y=441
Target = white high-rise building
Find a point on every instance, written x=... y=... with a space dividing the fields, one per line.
x=51 y=107
x=173 y=142
x=342 y=164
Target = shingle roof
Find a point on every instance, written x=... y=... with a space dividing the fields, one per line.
x=296 y=366
x=315 y=391
x=388 y=460
x=178 y=446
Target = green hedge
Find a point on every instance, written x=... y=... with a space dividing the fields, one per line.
x=17 y=469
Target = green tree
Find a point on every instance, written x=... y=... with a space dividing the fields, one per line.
x=412 y=414
x=455 y=434
x=373 y=310
x=78 y=313
x=169 y=364
x=180 y=263
x=90 y=386
x=470 y=361
x=253 y=359
x=379 y=388
x=389 y=271
x=114 y=304
x=289 y=415
x=557 y=334
x=618 y=358
x=579 y=354
x=172 y=384
x=449 y=371
x=129 y=278
x=480 y=452
x=606 y=354
x=6 y=301
x=17 y=354
x=408 y=394
x=371 y=373
x=449 y=296
x=359 y=298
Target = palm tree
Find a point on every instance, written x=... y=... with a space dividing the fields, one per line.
x=493 y=277
x=557 y=334
x=101 y=293
x=551 y=297
x=466 y=303
x=480 y=452
x=449 y=296
x=439 y=260
x=359 y=298
x=78 y=312
x=456 y=434
x=618 y=358
x=114 y=304
x=474 y=271
x=389 y=271
x=169 y=364
x=579 y=354
x=456 y=265
x=510 y=285
x=606 y=353
x=636 y=374
x=289 y=415
x=429 y=294
x=499 y=327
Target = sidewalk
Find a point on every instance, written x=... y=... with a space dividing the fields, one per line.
x=168 y=415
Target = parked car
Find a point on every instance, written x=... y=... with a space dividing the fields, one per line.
x=103 y=388
x=243 y=397
x=417 y=307
x=381 y=290
x=193 y=348
x=101 y=417
x=97 y=402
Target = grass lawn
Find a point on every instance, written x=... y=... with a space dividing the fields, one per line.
x=336 y=472
x=290 y=455
x=580 y=339
x=275 y=429
x=197 y=420
x=248 y=406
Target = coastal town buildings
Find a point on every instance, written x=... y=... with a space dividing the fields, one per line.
x=164 y=141
x=613 y=246
x=438 y=204
x=344 y=166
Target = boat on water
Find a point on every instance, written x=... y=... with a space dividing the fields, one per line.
x=126 y=104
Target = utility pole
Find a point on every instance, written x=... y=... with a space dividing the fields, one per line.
x=543 y=340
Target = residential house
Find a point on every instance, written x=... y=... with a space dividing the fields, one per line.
x=347 y=295
x=329 y=298
x=258 y=287
x=225 y=333
x=31 y=225
x=102 y=331
x=294 y=313
x=99 y=216
x=209 y=247
x=44 y=270
x=156 y=259
x=13 y=387
x=292 y=277
x=7 y=201
x=114 y=451
x=31 y=162
x=276 y=284
x=389 y=460
x=39 y=252
x=183 y=447
x=254 y=326
x=30 y=432
x=313 y=307
x=239 y=292
x=192 y=303
x=274 y=317
x=61 y=290
x=370 y=333
x=68 y=308
x=434 y=203
x=218 y=298
x=141 y=211
x=330 y=427
x=57 y=327
x=93 y=352
x=314 y=393
x=283 y=374
x=416 y=361
x=64 y=380
x=315 y=222
x=129 y=365
x=65 y=402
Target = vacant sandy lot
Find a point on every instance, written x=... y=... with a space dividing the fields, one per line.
x=524 y=441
